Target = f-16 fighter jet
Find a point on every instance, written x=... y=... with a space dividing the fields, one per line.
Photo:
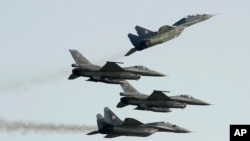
x=157 y=101
x=147 y=38
x=113 y=126
x=109 y=73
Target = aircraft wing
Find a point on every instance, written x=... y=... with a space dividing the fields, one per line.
x=131 y=122
x=111 y=136
x=158 y=95
x=111 y=67
x=165 y=28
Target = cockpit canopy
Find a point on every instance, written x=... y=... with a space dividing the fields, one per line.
x=186 y=96
x=197 y=15
x=171 y=125
x=141 y=67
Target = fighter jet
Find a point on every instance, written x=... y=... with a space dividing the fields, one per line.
x=147 y=38
x=109 y=73
x=113 y=126
x=157 y=101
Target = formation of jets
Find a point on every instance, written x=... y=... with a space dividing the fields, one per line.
x=158 y=101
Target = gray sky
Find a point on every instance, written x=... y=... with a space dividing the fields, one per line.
x=210 y=61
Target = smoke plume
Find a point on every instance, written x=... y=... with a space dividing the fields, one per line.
x=48 y=77
x=28 y=82
x=31 y=127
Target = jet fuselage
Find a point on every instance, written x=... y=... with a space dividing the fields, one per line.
x=140 y=131
x=167 y=127
x=110 y=75
x=164 y=37
x=152 y=103
x=142 y=70
x=189 y=100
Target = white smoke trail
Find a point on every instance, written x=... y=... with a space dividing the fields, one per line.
x=54 y=76
x=31 y=127
x=26 y=83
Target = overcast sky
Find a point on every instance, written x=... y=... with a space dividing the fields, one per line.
x=209 y=60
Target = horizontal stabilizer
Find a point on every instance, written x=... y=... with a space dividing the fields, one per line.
x=111 y=67
x=131 y=122
x=131 y=51
x=72 y=76
x=92 y=133
x=121 y=105
x=158 y=95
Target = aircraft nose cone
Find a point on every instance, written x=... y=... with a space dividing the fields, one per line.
x=211 y=15
x=183 y=130
x=204 y=102
x=155 y=73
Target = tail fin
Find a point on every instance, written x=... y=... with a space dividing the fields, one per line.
x=143 y=32
x=100 y=121
x=135 y=40
x=110 y=117
x=126 y=87
x=78 y=57
x=100 y=124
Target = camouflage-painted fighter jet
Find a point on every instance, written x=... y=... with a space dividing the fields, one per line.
x=147 y=38
x=157 y=101
x=113 y=126
x=109 y=73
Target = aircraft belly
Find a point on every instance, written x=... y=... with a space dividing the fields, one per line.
x=119 y=75
x=134 y=131
x=163 y=104
x=175 y=104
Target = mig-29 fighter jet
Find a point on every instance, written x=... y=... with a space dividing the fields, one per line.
x=157 y=101
x=109 y=73
x=113 y=126
x=147 y=38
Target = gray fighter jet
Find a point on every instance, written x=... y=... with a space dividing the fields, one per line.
x=157 y=101
x=113 y=126
x=147 y=38
x=109 y=73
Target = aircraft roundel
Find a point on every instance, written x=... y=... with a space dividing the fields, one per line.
x=113 y=117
